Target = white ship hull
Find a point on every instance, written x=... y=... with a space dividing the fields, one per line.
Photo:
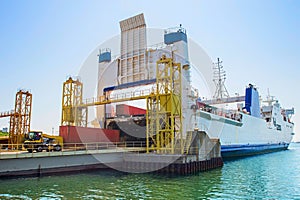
x=250 y=136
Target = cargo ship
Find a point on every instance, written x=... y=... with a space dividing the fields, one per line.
x=248 y=128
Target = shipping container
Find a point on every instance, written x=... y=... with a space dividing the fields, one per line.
x=75 y=134
x=126 y=110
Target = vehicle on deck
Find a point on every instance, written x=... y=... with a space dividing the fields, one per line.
x=39 y=141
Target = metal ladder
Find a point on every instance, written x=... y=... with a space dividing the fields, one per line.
x=188 y=142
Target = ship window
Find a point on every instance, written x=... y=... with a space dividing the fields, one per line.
x=268 y=119
x=274 y=121
x=240 y=118
x=34 y=135
x=278 y=127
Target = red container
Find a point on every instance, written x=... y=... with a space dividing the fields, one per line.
x=126 y=110
x=74 y=134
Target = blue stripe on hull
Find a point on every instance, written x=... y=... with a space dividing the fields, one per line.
x=231 y=151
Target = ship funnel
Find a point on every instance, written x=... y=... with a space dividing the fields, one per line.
x=252 y=104
x=177 y=37
x=104 y=55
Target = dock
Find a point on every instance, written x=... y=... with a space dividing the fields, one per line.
x=83 y=158
x=132 y=157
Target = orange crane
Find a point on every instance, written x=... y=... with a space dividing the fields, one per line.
x=20 y=117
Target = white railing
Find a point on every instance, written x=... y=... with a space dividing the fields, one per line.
x=118 y=96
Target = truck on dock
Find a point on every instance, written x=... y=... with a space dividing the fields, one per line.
x=39 y=141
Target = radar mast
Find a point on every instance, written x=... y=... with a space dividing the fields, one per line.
x=219 y=80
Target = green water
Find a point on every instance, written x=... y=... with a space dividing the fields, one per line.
x=269 y=176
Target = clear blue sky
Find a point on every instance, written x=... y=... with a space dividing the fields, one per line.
x=41 y=42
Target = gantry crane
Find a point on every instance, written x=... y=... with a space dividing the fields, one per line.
x=164 y=107
x=20 y=117
x=72 y=114
x=164 y=110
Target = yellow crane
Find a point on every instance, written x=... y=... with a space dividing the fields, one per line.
x=72 y=114
x=20 y=117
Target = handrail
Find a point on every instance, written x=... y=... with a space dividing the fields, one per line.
x=117 y=97
x=7 y=113
x=7 y=151
x=102 y=147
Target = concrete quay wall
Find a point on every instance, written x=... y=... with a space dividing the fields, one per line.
x=37 y=166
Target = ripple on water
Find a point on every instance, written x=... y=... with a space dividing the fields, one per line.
x=11 y=196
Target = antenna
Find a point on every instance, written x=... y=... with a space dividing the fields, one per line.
x=270 y=99
x=219 y=79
